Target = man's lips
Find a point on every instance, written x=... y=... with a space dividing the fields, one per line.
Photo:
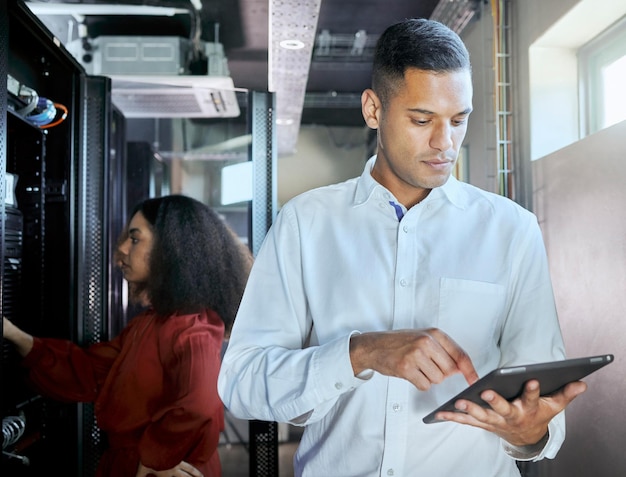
x=436 y=164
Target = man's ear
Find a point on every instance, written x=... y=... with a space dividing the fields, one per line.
x=370 y=108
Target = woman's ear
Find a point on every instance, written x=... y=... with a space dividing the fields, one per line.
x=370 y=108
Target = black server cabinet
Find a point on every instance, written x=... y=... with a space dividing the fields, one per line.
x=59 y=216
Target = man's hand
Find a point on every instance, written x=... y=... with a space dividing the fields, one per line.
x=521 y=422
x=183 y=469
x=423 y=357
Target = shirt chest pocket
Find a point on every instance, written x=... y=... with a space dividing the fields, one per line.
x=470 y=312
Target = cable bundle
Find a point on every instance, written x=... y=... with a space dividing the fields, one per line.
x=13 y=428
x=37 y=110
x=45 y=113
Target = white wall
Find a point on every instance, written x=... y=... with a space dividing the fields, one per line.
x=325 y=155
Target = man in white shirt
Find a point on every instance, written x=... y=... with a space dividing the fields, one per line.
x=375 y=300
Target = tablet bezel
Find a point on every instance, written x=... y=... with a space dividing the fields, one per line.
x=509 y=381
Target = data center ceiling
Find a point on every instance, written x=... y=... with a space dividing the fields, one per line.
x=315 y=54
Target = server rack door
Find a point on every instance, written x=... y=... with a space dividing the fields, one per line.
x=57 y=227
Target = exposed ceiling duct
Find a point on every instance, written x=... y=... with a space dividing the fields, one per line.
x=152 y=75
x=456 y=14
x=152 y=79
x=292 y=27
x=314 y=55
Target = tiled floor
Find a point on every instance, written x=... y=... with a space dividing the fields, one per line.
x=234 y=453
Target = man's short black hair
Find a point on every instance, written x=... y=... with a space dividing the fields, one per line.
x=415 y=43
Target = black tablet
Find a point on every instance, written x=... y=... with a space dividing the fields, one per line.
x=509 y=382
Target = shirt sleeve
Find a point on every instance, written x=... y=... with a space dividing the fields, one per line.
x=545 y=448
x=66 y=372
x=269 y=371
x=190 y=415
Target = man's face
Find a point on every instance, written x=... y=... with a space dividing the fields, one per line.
x=420 y=131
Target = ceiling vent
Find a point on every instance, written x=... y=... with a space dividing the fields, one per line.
x=175 y=96
x=151 y=76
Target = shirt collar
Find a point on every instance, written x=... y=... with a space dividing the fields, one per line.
x=452 y=191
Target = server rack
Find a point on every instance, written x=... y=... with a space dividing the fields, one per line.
x=57 y=223
x=72 y=194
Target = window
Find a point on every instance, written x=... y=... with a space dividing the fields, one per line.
x=561 y=93
x=602 y=63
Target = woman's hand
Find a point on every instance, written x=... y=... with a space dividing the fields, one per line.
x=23 y=341
x=183 y=469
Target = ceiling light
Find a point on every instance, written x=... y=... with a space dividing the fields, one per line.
x=101 y=9
x=292 y=44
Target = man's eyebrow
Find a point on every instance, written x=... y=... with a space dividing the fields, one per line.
x=426 y=111
x=421 y=111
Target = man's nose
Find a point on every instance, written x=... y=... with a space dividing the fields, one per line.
x=441 y=138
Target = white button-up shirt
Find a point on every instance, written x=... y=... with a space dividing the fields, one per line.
x=347 y=258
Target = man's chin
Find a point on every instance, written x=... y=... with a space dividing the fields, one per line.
x=437 y=180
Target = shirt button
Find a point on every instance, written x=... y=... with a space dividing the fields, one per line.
x=403 y=282
x=396 y=407
x=390 y=472
x=406 y=229
x=338 y=385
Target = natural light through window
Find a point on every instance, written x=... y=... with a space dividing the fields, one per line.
x=577 y=75
x=603 y=74
x=614 y=88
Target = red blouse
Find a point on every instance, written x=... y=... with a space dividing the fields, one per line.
x=154 y=388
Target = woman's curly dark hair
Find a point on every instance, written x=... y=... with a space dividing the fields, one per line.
x=196 y=261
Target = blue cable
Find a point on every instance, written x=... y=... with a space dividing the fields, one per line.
x=46 y=115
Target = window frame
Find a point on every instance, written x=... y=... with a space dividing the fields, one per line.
x=603 y=50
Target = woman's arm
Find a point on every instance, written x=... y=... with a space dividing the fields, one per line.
x=60 y=369
x=23 y=341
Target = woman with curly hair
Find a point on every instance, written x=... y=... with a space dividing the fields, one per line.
x=154 y=385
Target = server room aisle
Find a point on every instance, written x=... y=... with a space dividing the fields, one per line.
x=234 y=454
